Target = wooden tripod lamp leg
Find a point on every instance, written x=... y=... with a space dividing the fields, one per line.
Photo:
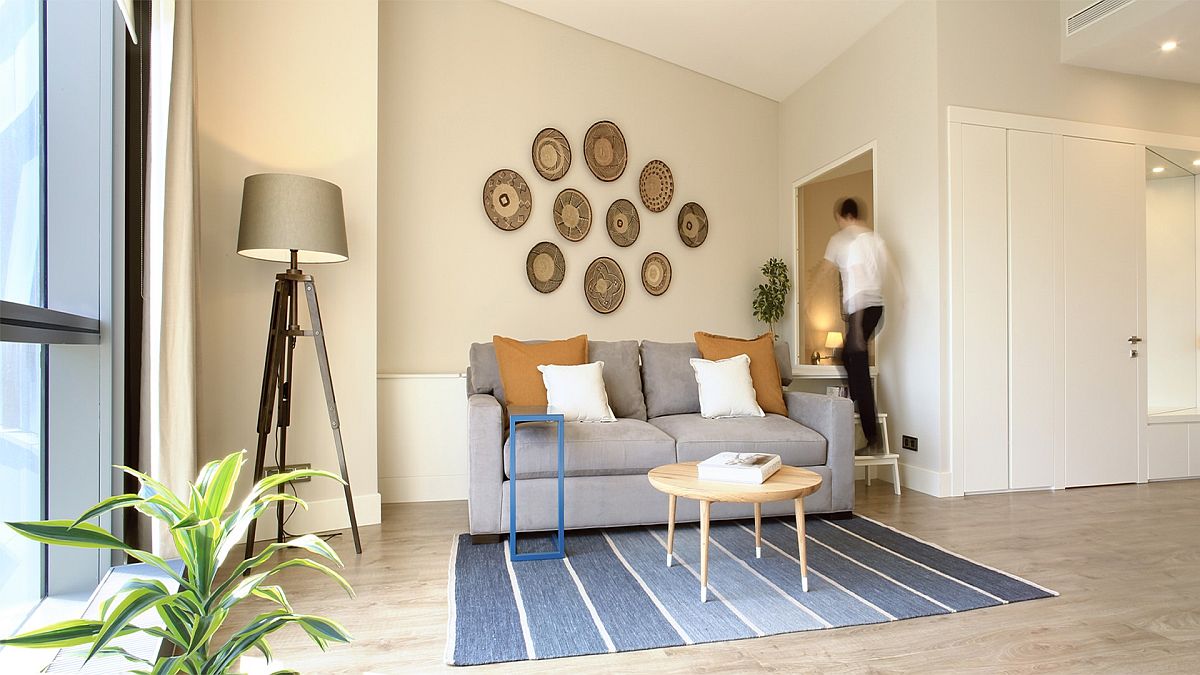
x=270 y=388
x=314 y=313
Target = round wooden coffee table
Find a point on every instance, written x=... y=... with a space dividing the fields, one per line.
x=789 y=482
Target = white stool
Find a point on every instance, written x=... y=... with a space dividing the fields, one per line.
x=887 y=458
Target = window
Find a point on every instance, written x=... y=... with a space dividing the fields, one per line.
x=57 y=212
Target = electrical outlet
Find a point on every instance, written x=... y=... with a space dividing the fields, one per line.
x=909 y=442
x=288 y=468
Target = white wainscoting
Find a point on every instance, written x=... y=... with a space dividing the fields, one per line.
x=422 y=437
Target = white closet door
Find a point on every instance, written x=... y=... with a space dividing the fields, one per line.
x=1032 y=195
x=985 y=308
x=1101 y=225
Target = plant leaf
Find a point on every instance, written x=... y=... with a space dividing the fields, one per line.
x=217 y=490
x=155 y=488
x=168 y=665
x=309 y=542
x=275 y=480
x=132 y=585
x=62 y=634
x=265 y=648
x=275 y=594
x=110 y=504
x=312 y=564
x=67 y=533
x=323 y=630
x=118 y=651
x=158 y=562
x=131 y=607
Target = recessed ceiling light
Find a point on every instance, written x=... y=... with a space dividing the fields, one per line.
x=1196 y=162
x=1159 y=169
x=1169 y=46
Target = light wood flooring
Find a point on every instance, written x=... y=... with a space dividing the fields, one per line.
x=1126 y=560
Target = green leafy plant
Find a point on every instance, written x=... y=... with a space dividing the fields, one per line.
x=770 y=298
x=204 y=536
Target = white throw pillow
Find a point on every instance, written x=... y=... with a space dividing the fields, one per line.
x=577 y=392
x=726 y=389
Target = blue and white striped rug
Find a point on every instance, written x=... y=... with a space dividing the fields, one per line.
x=614 y=592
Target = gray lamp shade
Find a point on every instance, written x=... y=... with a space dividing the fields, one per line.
x=283 y=212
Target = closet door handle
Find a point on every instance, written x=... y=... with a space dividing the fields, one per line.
x=1133 y=339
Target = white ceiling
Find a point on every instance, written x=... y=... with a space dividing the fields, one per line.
x=1129 y=39
x=769 y=47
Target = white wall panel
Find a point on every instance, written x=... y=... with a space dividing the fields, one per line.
x=1031 y=292
x=985 y=308
x=1168 y=448
x=422 y=438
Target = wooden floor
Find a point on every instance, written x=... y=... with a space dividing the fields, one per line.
x=1126 y=560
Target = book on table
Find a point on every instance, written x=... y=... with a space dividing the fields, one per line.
x=739 y=467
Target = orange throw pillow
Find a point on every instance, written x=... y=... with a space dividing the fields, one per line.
x=523 y=385
x=764 y=371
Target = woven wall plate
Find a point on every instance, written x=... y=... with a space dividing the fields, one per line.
x=572 y=214
x=623 y=222
x=656 y=185
x=604 y=285
x=551 y=154
x=507 y=199
x=693 y=224
x=656 y=273
x=604 y=151
x=545 y=267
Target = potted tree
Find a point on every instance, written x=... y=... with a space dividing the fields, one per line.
x=204 y=534
x=770 y=297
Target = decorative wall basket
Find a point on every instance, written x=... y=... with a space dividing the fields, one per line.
x=623 y=222
x=604 y=285
x=693 y=224
x=507 y=200
x=656 y=185
x=551 y=154
x=656 y=273
x=572 y=214
x=604 y=151
x=545 y=267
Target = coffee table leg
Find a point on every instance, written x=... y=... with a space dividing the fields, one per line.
x=800 y=541
x=670 y=527
x=757 y=530
x=704 y=550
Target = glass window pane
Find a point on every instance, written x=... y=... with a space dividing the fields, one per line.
x=21 y=234
x=21 y=399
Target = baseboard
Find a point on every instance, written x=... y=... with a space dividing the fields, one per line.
x=323 y=515
x=932 y=483
x=396 y=489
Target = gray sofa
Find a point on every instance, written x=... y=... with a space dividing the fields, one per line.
x=653 y=393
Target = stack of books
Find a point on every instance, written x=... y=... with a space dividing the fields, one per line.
x=739 y=467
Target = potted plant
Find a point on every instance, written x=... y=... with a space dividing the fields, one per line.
x=204 y=534
x=770 y=297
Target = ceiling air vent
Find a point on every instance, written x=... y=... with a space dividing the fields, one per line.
x=1093 y=13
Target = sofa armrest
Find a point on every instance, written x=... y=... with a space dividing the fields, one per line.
x=833 y=418
x=485 y=462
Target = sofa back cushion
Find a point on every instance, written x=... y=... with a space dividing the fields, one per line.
x=622 y=377
x=668 y=379
x=669 y=382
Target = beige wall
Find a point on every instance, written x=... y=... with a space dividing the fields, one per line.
x=822 y=311
x=884 y=89
x=292 y=87
x=464 y=87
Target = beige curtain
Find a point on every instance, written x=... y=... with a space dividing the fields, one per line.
x=168 y=432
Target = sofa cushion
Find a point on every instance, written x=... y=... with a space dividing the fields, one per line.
x=668 y=379
x=764 y=364
x=591 y=449
x=698 y=438
x=622 y=375
x=523 y=384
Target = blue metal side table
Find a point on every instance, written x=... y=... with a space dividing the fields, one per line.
x=518 y=415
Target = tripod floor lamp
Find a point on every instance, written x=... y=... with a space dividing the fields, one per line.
x=293 y=219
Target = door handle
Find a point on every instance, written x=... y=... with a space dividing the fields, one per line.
x=1133 y=339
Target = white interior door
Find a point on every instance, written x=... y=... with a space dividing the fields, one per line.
x=1103 y=241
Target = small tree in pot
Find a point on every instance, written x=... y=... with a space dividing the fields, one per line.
x=204 y=535
x=770 y=298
